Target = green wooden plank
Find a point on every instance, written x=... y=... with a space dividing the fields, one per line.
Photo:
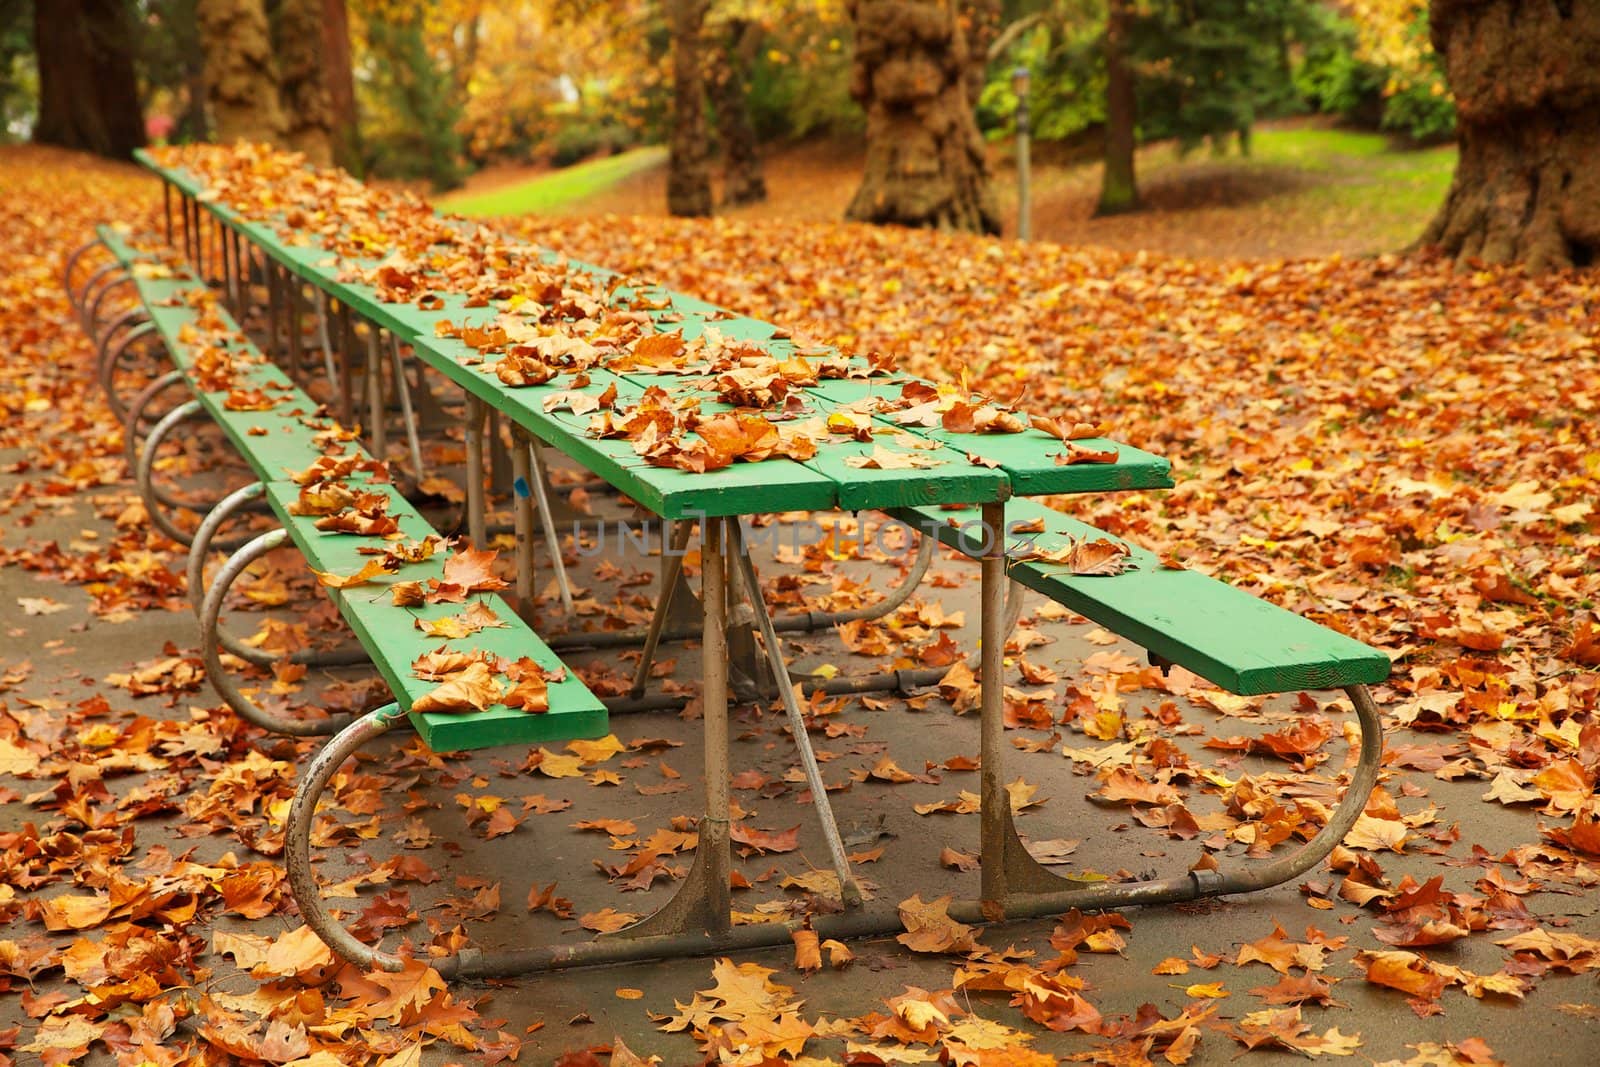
x=1242 y=643
x=1026 y=461
x=391 y=638
x=1029 y=457
x=289 y=443
x=741 y=489
x=955 y=480
x=116 y=244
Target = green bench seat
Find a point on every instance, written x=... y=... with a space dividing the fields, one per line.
x=390 y=635
x=282 y=440
x=274 y=441
x=1240 y=642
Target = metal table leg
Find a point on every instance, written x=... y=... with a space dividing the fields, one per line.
x=703 y=902
x=849 y=891
x=477 y=520
x=552 y=539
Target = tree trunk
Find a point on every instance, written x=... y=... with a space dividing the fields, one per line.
x=926 y=161
x=1527 y=89
x=980 y=21
x=688 y=160
x=241 y=85
x=742 y=182
x=1119 y=188
x=307 y=110
x=88 y=94
x=339 y=79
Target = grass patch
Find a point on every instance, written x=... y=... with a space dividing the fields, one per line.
x=1362 y=181
x=560 y=189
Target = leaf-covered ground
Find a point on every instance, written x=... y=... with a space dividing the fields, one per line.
x=1394 y=449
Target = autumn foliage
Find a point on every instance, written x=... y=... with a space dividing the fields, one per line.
x=1397 y=450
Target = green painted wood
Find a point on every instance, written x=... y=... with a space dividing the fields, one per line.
x=390 y=636
x=1014 y=463
x=1029 y=457
x=289 y=443
x=1242 y=643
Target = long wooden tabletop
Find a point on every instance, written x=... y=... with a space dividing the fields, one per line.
x=920 y=465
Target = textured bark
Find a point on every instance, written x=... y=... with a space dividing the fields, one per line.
x=1119 y=188
x=1527 y=86
x=742 y=182
x=926 y=163
x=88 y=94
x=241 y=84
x=689 y=158
x=339 y=80
x=307 y=110
x=980 y=21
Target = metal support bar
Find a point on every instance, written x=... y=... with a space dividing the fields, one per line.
x=849 y=891
x=347 y=345
x=84 y=299
x=136 y=416
x=993 y=796
x=324 y=340
x=375 y=427
x=97 y=305
x=672 y=571
x=552 y=538
x=703 y=901
x=404 y=388
x=108 y=368
x=71 y=265
x=803 y=621
x=477 y=519
x=522 y=514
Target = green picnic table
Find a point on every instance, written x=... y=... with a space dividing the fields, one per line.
x=981 y=473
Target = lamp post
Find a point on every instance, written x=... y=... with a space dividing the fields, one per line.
x=1019 y=85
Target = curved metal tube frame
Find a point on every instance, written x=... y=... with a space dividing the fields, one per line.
x=865 y=922
x=136 y=416
x=108 y=368
x=143 y=469
x=132 y=316
x=82 y=299
x=100 y=297
x=242 y=500
x=211 y=652
x=297 y=837
x=72 y=265
x=803 y=621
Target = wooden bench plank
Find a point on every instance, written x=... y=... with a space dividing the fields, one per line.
x=1242 y=643
x=391 y=637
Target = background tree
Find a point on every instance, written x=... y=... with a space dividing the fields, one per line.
x=338 y=78
x=926 y=163
x=689 y=158
x=741 y=37
x=88 y=91
x=1527 y=89
x=241 y=81
x=415 y=107
x=302 y=89
x=1119 y=189
x=172 y=68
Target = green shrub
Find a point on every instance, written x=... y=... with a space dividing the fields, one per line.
x=580 y=140
x=1423 y=111
x=1331 y=79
